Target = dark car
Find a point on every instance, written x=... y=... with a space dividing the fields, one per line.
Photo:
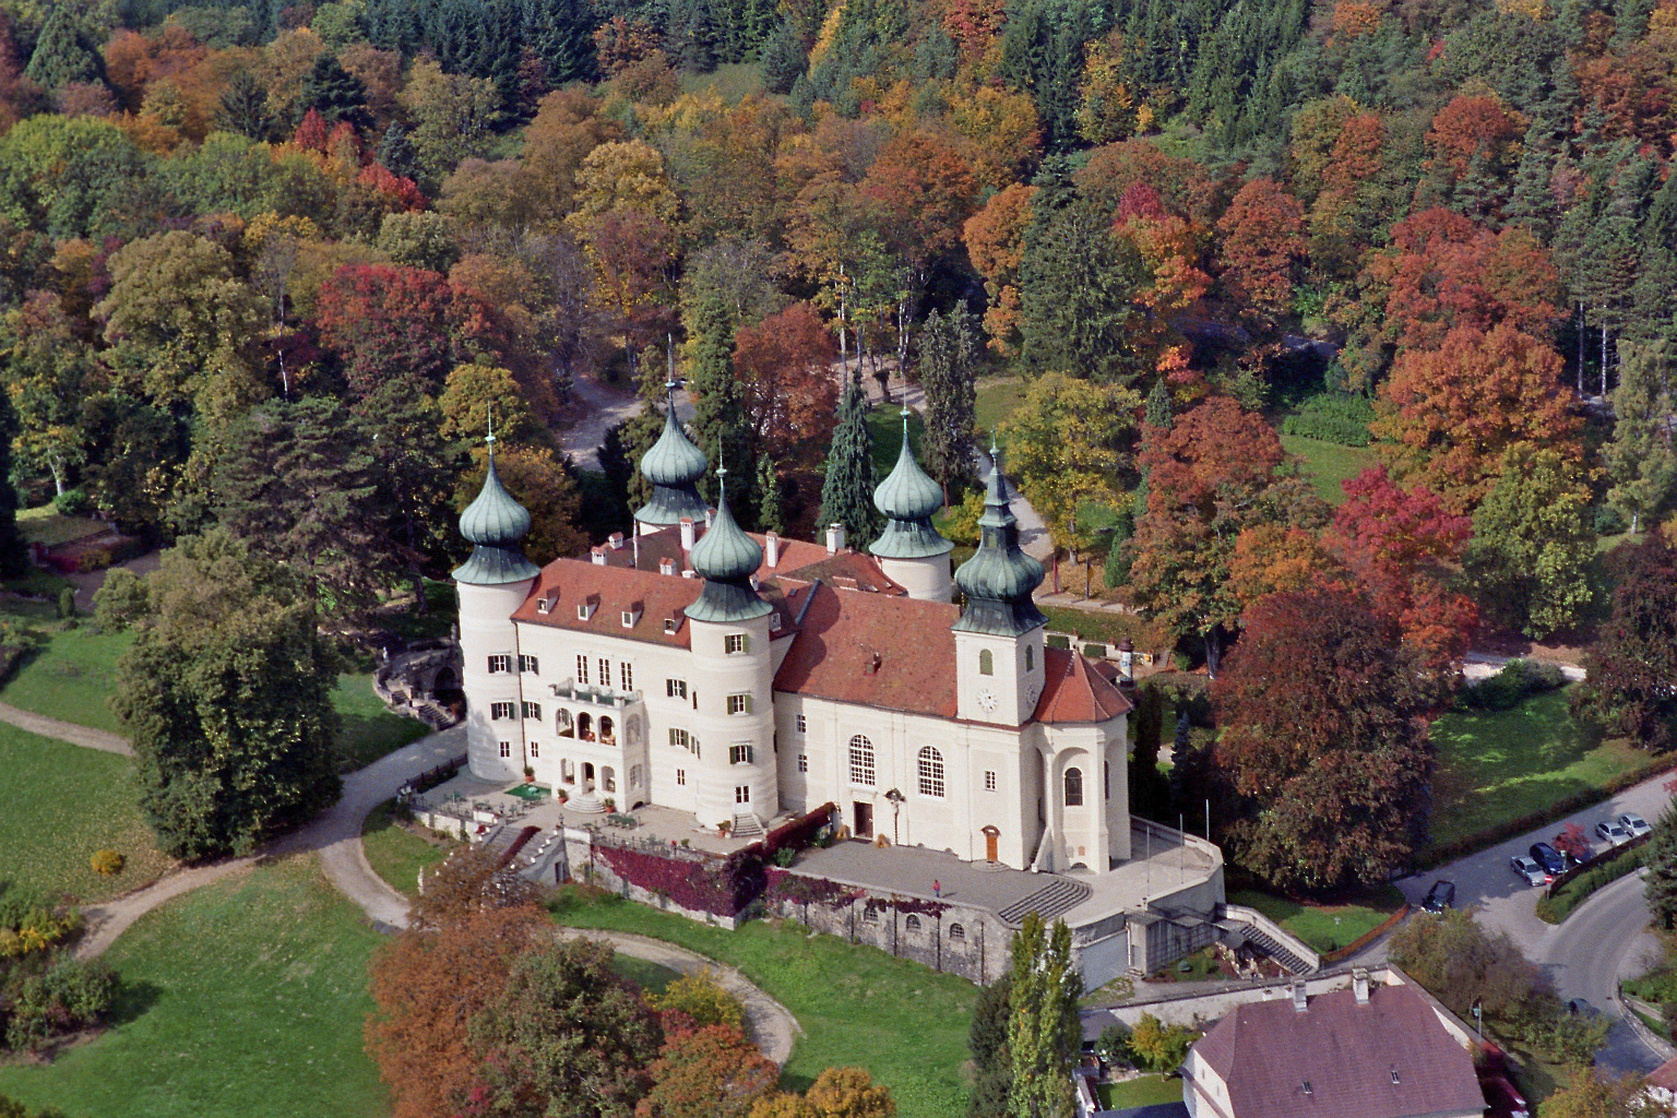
x=1549 y=858
x=1441 y=896
x=1504 y=1098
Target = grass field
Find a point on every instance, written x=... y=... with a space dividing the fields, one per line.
x=1327 y=465
x=885 y=432
x=62 y=803
x=1328 y=926
x=370 y=729
x=396 y=854
x=998 y=398
x=858 y=1006
x=71 y=676
x=1498 y=766
x=244 y=998
x=1144 y=1090
x=46 y=526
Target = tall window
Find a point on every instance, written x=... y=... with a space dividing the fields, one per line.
x=739 y=753
x=680 y=737
x=625 y=676
x=739 y=704
x=742 y=793
x=803 y=724
x=506 y=749
x=582 y=669
x=989 y=780
x=861 y=761
x=1074 y=787
x=500 y=663
x=634 y=776
x=675 y=688
x=680 y=777
x=931 y=772
x=533 y=710
x=803 y=762
x=535 y=749
x=986 y=662
x=1030 y=657
x=605 y=672
x=528 y=664
x=500 y=710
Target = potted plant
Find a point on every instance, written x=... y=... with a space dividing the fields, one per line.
x=610 y=802
x=529 y=774
x=724 y=827
x=563 y=795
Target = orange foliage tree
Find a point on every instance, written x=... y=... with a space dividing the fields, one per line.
x=784 y=365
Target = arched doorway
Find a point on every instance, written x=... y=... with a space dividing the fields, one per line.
x=992 y=840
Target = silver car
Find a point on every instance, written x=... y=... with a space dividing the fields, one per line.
x=1635 y=824
x=1529 y=870
x=1612 y=832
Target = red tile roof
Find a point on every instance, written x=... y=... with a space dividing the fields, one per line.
x=798 y=559
x=1349 y=1054
x=1074 y=690
x=872 y=649
x=567 y=583
x=1664 y=1076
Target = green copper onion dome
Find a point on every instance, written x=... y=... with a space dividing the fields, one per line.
x=673 y=466
x=999 y=578
x=495 y=525
x=726 y=558
x=909 y=499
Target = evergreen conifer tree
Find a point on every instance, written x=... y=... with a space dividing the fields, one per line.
x=396 y=153
x=14 y=552
x=948 y=355
x=335 y=93
x=62 y=54
x=1661 y=887
x=847 y=490
x=1042 y=1031
x=244 y=108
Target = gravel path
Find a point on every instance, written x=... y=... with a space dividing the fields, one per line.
x=85 y=736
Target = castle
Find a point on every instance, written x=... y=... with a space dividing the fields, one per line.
x=740 y=677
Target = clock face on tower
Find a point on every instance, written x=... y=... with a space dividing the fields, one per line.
x=1031 y=693
x=987 y=699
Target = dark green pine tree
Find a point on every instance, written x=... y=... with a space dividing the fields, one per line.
x=948 y=359
x=783 y=58
x=1530 y=201
x=561 y=32
x=396 y=154
x=1160 y=413
x=244 y=108
x=847 y=489
x=336 y=93
x=1661 y=887
x=62 y=54
x=771 y=512
x=992 y=1060
x=14 y=552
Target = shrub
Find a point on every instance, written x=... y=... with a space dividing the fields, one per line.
x=106 y=863
x=1517 y=681
x=67 y=602
x=65 y=998
x=72 y=502
x=1332 y=417
x=1558 y=905
x=703 y=999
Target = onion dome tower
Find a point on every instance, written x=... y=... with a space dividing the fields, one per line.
x=999 y=635
x=674 y=466
x=726 y=558
x=910 y=551
x=490 y=586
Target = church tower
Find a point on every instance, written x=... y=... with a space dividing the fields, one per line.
x=910 y=551
x=733 y=674
x=491 y=585
x=674 y=466
x=998 y=637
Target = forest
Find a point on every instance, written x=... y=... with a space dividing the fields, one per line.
x=266 y=271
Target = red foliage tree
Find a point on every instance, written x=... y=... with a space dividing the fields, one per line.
x=1263 y=241
x=784 y=364
x=1321 y=743
x=925 y=191
x=387 y=322
x=709 y=1072
x=1403 y=546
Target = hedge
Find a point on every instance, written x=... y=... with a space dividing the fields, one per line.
x=1560 y=902
x=1332 y=417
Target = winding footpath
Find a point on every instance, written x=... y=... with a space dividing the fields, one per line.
x=335 y=836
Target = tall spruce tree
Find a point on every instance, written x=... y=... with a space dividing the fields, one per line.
x=335 y=93
x=847 y=490
x=62 y=54
x=14 y=552
x=1661 y=887
x=948 y=359
x=244 y=108
x=1043 y=1033
x=1641 y=457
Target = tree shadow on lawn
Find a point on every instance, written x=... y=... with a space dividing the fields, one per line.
x=133 y=1001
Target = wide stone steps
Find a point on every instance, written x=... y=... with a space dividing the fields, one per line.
x=746 y=825
x=1061 y=894
x=1258 y=938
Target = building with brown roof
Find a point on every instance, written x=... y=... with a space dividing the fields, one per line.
x=1376 y=1050
x=740 y=678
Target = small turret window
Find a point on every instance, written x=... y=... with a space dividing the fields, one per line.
x=1030 y=658
x=736 y=642
x=1074 y=787
x=986 y=662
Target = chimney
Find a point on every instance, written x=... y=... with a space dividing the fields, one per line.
x=773 y=542
x=666 y=566
x=1359 y=985
x=687 y=533
x=710 y=517
x=616 y=541
x=835 y=538
x=1299 y=1003
x=598 y=554
x=689 y=573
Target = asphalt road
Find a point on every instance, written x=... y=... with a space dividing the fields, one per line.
x=1602 y=942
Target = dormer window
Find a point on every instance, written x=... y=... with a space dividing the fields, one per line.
x=632 y=615
x=585 y=609
x=670 y=625
x=544 y=605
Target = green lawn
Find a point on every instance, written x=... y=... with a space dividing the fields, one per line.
x=998 y=398
x=1144 y=1090
x=370 y=729
x=1328 y=926
x=885 y=432
x=46 y=526
x=649 y=976
x=857 y=1005
x=243 y=998
x=396 y=854
x=62 y=803
x=1493 y=767
x=71 y=676
x=1327 y=464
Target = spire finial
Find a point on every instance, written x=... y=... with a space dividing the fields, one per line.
x=489 y=439
x=721 y=478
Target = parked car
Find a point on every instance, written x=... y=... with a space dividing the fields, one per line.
x=1612 y=832
x=1441 y=896
x=1526 y=868
x=1549 y=858
x=1635 y=824
x=1505 y=1100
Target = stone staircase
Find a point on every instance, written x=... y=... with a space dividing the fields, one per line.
x=585 y=803
x=1061 y=894
x=747 y=825
x=1270 y=946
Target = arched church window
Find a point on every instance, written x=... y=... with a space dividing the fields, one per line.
x=986 y=662
x=861 y=761
x=1074 y=787
x=1030 y=658
x=931 y=772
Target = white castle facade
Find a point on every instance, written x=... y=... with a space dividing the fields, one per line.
x=742 y=678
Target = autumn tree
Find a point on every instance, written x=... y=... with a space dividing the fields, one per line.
x=1262 y=244
x=1590 y=1092
x=427 y=982
x=784 y=367
x=1321 y=743
x=1447 y=416
x=1634 y=658
x=1532 y=551
x=995 y=240
x=565 y=1037
x=1403 y=546
x=48 y=366
x=388 y=323
x=712 y=1071
x=836 y=1093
